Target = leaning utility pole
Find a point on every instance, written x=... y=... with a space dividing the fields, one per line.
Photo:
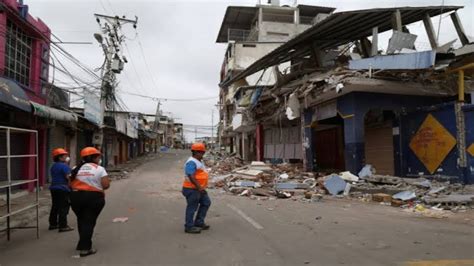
x=110 y=39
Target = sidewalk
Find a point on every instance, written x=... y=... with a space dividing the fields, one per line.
x=23 y=198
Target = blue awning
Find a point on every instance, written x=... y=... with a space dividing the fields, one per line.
x=12 y=94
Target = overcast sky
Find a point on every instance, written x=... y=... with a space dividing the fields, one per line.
x=178 y=39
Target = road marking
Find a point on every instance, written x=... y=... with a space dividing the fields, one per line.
x=246 y=217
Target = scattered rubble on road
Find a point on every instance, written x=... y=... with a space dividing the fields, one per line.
x=123 y=171
x=425 y=197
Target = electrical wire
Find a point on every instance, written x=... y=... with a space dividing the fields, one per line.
x=169 y=99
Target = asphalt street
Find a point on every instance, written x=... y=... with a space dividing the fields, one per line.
x=244 y=231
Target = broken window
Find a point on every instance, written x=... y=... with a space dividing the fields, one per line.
x=18 y=54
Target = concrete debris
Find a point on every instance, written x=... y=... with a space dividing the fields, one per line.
x=246 y=184
x=263 y=181
x=120 y=220
x=335 y=185
x=293 y=107
x=348 y=176
x=311 y=182
x=405 y=195
x=424 y=183
x=286 y=186
x=436 y=190
x=347 y=190
x=453 y=198
x=367 y=171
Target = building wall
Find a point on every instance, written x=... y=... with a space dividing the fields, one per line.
x=279 y=32
x=32 y=28
x=469 y=118
x=354 y=106
x=412 y=164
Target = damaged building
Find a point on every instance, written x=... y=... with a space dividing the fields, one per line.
x=331 y=98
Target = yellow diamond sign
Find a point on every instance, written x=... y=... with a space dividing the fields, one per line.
x=432 y=143
x=471 y=150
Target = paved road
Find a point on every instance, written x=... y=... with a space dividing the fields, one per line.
x=244 y=231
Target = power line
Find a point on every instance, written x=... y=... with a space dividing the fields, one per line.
x=169 y=99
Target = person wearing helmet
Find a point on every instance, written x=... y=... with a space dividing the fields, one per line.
x=89 y=180
x=194 y=190
x=60 y=191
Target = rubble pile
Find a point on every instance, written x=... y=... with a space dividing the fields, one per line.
x=262 y=181
x=222 y=163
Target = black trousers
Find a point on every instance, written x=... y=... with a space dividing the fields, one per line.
x=59 y=208
x=87 y=206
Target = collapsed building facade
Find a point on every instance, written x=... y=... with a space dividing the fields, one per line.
x=329 y=97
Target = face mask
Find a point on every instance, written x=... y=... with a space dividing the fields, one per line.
x=67 y=159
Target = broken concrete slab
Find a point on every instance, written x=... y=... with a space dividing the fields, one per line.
x=335 y=185
x=285 y=186
x=245 y=184
x=348 y=176
x=249 y=172
x=384 y=179
x=436 y=190
x=453 y=198
x=405 y=195
x=257 y=165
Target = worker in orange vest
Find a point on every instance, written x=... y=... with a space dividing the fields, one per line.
x=194 y=190
x=89 y=180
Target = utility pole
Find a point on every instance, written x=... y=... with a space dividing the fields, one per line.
x=212 y=129
x=110 y=39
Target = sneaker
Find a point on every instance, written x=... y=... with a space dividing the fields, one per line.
x=85 y=253
x=203 y=226
x=52 y=227
x=193 y=230
x=65 y=229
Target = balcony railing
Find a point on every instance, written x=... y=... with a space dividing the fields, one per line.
x=239 y=35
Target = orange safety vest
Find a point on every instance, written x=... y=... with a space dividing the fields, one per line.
x=201 y=175
x=78 y=185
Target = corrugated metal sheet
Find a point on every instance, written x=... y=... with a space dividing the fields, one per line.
x=419 y=60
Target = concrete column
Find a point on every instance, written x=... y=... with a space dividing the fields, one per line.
x=307 y=140
x=297 y=16
x=459 y=28
x=375 y=42
x=354 y=133
x=430 y=31
x=259 y=142
x=397 y=21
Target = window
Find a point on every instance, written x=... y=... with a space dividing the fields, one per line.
x=18 y=54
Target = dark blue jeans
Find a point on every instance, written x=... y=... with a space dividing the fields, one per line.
x=197 y=201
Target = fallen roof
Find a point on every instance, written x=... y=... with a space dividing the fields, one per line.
x=340 y=28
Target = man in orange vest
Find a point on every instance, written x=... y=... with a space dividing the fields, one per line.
x=194 y=190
